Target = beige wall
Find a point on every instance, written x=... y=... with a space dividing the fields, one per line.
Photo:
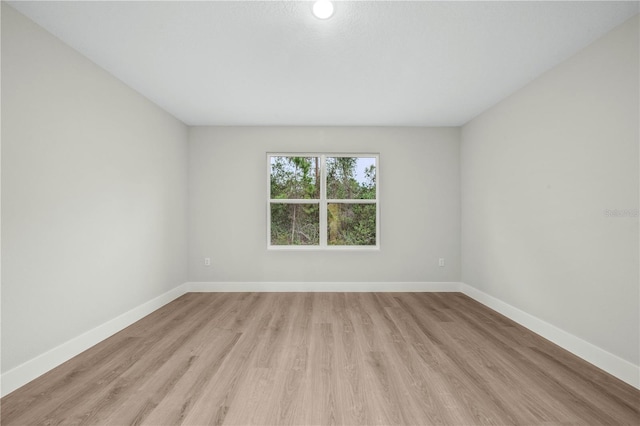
x=419 y=202
x=539 y=172
x=94 y=197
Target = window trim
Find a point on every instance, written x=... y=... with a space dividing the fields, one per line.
x=323 y=202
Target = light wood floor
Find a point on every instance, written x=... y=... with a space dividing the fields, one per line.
x=324 y=358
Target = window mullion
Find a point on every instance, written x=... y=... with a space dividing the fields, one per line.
x=323 y=202
x=293 y=201
x=351 y=201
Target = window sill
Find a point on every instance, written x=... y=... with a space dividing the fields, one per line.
x=323 y=248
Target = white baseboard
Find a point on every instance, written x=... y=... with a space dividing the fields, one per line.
x=308 y=286
x=24 y=373
x=612 y=364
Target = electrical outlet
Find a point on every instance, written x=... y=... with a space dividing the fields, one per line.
x=441 y=262
x=207 y=261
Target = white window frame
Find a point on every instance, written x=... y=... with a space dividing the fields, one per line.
x=323 y=202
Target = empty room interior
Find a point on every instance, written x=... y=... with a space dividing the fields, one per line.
x=313 y=213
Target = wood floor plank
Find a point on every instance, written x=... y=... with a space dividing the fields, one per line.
x=349 y=364
x=90 y=408
x=324 y=359
x=79 y=375
x=180 y=400
x=218 y=395
x=481 y=400
x=195 y=358
x=501 y=340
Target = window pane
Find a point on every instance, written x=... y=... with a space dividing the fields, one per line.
x=351 y=224
x=295 y=178
x=295 y=224
x=351 y=178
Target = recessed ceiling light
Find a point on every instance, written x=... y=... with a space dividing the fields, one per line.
x=323 y=9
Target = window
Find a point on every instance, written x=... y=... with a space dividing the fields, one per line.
x=322 y=201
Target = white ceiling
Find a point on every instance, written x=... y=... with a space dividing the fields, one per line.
x=373 y=63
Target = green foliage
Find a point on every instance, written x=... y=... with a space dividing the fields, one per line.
x=295 y=224
x=295 y=178
x=352 y=224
